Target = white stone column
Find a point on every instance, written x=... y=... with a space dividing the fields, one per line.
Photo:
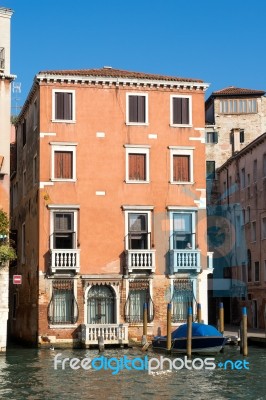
x=4 y=278
x=203 y=293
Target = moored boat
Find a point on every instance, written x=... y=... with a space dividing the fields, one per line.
x=206 y=339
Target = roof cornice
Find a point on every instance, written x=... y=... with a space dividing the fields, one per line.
x=7 y=76
x=121 y=81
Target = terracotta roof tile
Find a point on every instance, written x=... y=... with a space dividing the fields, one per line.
x=235 y=91
x=109 y=72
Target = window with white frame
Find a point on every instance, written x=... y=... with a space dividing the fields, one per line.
x=180 y=110
x=63 y=105
x=63 y=161
x=137 y=227
x=63 y=228
x=183 y=230
x=137 y=164
x=137 y=109
x=181 y=165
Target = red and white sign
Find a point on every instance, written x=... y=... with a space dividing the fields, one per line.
x=17 y=279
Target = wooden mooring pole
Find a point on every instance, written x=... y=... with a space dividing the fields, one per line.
x=221 y=318
x=189 y=332
x=244 y=333
x=145 y=323
x=169 y=333
x=199 y=312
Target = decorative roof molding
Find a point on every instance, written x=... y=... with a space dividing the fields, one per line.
x=7 y=76
x=134 y=79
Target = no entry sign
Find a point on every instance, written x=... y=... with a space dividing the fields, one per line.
x=17 y=279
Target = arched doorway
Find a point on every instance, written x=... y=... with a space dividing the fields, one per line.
x=101 y=305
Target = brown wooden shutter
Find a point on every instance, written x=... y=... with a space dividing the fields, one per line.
x=133 y=108
x=180 y=110
x=63 y=161
x=63 y=106
x=137 y=109
x=137 y=167
x=68 y=106
x=185 y=111
x=141 y=108
x=181 y=168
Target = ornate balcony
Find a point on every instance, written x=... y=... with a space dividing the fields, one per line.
x=140 y=260
x=111 y=333
x=65 y=259
x=184 y=261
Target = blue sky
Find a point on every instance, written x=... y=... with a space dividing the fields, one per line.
x=222 y=42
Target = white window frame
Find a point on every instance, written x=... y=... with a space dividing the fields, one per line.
x=63 y=209
x=69 y=121
x=138 y=210
x=189 y=97
x=63 y=146
x=146 y=108
x=175 y=210
x=181 y=151
x=131 y=149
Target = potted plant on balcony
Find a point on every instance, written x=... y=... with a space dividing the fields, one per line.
x=7 y=253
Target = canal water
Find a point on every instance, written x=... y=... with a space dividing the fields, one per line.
x=31 y=374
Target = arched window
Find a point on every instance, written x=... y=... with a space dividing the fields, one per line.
x=100 y=305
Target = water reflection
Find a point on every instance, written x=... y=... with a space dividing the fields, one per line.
x=30 y=374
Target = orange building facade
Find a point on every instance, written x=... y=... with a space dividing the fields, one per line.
x=109 y=206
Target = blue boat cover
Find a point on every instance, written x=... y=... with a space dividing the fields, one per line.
x=197 y=330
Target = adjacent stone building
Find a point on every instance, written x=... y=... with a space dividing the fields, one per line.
x=5 y=132
x=235 y=118
x=244 y=248
x=109 y=205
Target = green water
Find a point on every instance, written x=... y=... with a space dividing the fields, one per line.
x=30 y=374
